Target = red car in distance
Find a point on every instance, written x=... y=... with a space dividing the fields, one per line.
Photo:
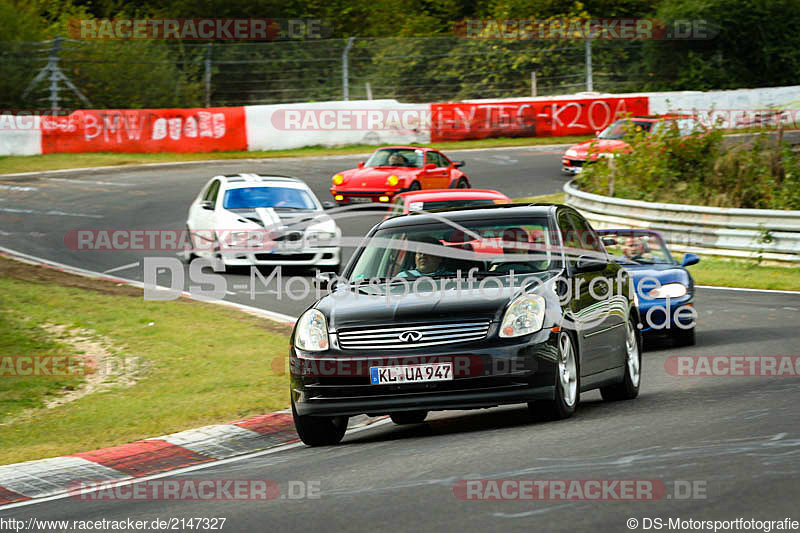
x=610 y=140
x=395 y=169
x=412 y=201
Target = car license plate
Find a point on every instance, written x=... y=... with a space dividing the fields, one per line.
x=360 y=199
x=382 y=375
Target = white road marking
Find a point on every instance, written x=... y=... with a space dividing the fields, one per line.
x=123 y=267
x=49 y=213
x=745 y=290
x=87 y=182
x=16 y=188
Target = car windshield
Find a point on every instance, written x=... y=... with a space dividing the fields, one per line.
x=494 y=248
x=275 y=197
x=396 y=157
x=449 y=204
x=620 y=128
x=637 y=247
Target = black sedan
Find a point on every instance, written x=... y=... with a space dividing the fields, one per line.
x=466 y=309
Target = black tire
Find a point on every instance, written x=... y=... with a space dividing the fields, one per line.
x=188 y=256
x=218 y=256
x=628 y=388
x=408 y=417
x=683 y=337
x=319 y=430
x=415 y=186
x=561 y=407
x=462 y=184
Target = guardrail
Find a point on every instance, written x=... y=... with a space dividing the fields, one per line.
x=768 y=234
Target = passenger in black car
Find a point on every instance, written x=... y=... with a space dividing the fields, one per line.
x=427 y=264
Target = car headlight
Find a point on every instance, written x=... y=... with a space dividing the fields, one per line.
x=338 y=179
x=311 y=334
x=670 y=290
x=393 y=180
x=525 y=315
x=571 y=153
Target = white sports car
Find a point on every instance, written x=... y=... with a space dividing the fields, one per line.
x=247 y=219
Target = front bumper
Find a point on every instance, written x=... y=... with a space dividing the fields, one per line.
x=663 y=319
x=487 y=373
x=572 y=166
x=352 y=196
x=304 y=257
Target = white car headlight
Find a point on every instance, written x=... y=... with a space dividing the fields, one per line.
x=312 y=332
x=670 y=290
x=525 y=315
x=571 y=153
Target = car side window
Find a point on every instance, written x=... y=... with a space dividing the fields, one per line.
x=433 y=157
x=212 y=192
x=587 y=237
x=569 y=237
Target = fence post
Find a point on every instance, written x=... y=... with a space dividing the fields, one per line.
x=208 y=74
x=533 y=83
x=345 y=76
x=369 y=91
x=589 y=82
x=54 y=107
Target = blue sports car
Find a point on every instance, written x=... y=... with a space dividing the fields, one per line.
x=664 y=287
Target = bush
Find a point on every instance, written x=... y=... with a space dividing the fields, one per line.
x=699 y=169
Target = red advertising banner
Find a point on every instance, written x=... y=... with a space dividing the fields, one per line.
x=216 y=129
x=532 y=118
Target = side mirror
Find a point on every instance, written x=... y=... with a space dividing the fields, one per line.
x=689 y=260
x=327 y=204
x=609 y=241
x=207 y=204
x=587 y=263
x=360 y=164
x=459 y=164
x=429 y=166
x=326 y=280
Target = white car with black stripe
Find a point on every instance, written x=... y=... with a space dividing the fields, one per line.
x=249 y=219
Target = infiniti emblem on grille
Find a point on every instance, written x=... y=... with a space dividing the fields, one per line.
x=410 y=336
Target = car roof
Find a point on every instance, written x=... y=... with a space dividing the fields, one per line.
x=406 y=148
x=624 y=231
x=243 y=179
x=454 y=194
x=472 y=213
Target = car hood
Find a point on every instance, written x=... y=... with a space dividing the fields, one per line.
x=663 y=273
x=599 y=146
x=370 y=304
x=374 y=176
x=299 y=220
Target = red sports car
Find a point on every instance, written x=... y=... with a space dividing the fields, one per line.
x=411 y=201
x=396 y=169
x=610 y=140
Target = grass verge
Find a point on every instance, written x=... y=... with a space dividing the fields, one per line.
x=34 y=163
x=745 y=274
x=195 y=364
